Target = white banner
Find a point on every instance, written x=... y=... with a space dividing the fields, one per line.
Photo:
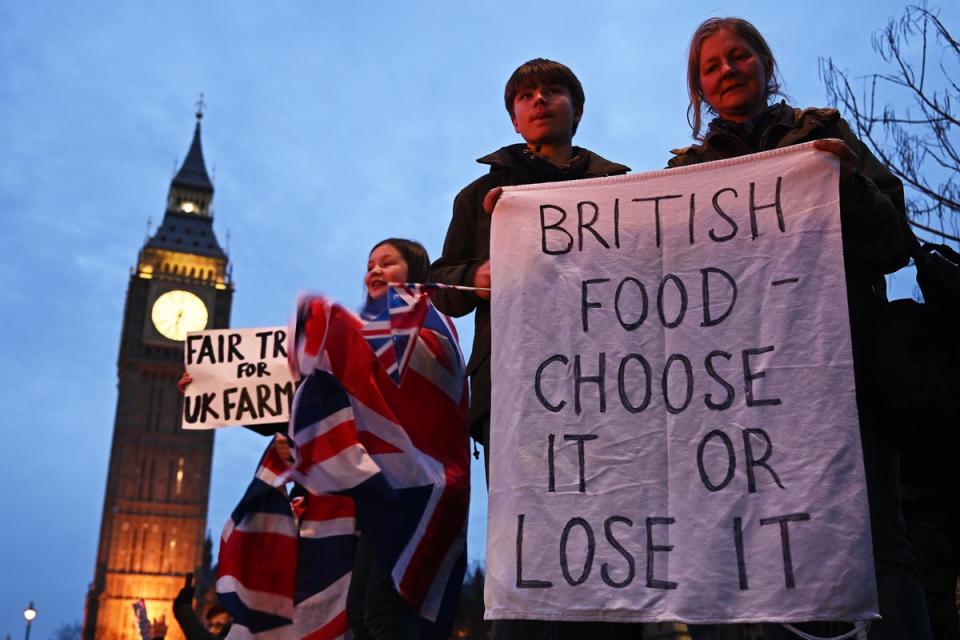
x=674 y=428
x=240 y=376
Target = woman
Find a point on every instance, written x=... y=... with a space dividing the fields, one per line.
x=425 y=398
x=732 y=74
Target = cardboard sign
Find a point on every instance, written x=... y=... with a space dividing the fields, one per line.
x=240 y=376
x=674 y=430
x=143 y=620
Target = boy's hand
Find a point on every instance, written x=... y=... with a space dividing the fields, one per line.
x=481 y=277
x=490 y=200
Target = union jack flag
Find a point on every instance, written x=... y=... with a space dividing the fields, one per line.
x=257 y=564
x=389 y=456
x=392 y=328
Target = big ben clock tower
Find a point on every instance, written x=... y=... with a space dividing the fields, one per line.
x=155 y=507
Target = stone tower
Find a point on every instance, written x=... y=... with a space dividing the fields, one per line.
x=155 y=508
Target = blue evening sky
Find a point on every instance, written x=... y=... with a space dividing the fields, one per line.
x=328 y=127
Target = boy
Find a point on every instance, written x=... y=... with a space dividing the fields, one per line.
x=545 y=102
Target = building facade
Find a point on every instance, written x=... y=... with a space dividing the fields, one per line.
x=155 y=507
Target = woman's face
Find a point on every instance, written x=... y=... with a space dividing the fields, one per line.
x=733 y=76
x=386 y=264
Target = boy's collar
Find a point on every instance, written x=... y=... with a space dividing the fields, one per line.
x=574 y=158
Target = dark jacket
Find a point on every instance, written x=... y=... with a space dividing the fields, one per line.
x=190 y=623
x=872 y=211
x=467 y=246
x=872 y=218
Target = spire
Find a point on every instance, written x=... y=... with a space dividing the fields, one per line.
x=187 y=225
x=193 y=172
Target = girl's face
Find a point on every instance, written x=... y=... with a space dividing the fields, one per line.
x=386 y=264
x=733 y=76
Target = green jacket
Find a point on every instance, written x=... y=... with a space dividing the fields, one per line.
x=872 y=210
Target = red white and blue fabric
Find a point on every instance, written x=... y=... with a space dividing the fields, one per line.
x=256 y=571
x=392 y=328
x=391 y=456
x=285 y=561
x=404 y=458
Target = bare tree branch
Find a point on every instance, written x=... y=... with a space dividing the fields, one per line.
x=938 y=232
x=915 y=131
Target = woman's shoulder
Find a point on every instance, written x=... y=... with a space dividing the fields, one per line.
x=815 y=122
x=683 y=156
x=799 y=125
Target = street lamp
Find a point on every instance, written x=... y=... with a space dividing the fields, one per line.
x=29 y=614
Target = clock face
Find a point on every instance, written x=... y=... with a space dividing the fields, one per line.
x=177 y=312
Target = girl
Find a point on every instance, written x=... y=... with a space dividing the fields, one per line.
x=427 y=402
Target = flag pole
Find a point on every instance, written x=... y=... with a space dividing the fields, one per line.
x=437 y=285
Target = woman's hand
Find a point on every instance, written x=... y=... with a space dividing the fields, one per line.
x=184 y=382
x=848 y=159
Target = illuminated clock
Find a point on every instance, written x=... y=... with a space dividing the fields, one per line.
x=176 y=312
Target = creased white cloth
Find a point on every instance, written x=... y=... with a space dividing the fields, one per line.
x=721 y=476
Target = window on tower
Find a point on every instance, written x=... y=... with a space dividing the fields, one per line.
x=162 y=559
x=134 y=543
x=153 y=474
x=179 y=476
x=142 y=549
x=173 y=544
x=146 y=478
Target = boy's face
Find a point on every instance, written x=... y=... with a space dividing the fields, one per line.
x=544 y=114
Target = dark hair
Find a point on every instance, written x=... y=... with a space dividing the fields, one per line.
x=214 y=610
x=707 y=28
x=418 y=262
x=542 y=71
